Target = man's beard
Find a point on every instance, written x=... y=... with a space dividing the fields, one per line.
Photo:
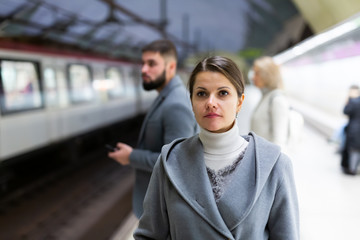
x=158 y=82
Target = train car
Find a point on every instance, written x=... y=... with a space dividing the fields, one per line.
x=319 y=71
x=50 y=96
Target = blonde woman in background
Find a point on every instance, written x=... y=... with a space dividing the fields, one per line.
x=270 y=117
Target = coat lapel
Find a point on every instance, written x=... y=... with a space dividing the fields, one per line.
x=189 y=158
x=245 y=187
x=248 y=180
x=241 y=191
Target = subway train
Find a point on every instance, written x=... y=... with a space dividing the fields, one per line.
x=50 y=96
x=319 y=71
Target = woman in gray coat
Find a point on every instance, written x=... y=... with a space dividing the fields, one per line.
x=218 y=184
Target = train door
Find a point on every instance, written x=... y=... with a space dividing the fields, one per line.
x=56 y=97
x=116 y=84
x=120 y=104
x=22 y=107
x=79 y=117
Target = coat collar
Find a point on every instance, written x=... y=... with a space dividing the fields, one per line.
x=185 y=156
x=174 y=83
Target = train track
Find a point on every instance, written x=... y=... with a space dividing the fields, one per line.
x=86 y=200
x=89 y=203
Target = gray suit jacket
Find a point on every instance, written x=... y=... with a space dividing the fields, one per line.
x=169 y=117
x=259 y=202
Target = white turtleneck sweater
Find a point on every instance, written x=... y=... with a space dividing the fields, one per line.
x=222 y=149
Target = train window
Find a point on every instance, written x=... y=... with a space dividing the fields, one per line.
x=116 y=86
x=62 y=88
x=136 y=79
x=80 y=83
x=19 y=86
x=50 y=87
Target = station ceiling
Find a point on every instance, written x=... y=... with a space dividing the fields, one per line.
x=120 y=28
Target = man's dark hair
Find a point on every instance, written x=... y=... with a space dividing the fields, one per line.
x=165 y=47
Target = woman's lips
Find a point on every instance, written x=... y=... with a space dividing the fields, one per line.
x=212 y=115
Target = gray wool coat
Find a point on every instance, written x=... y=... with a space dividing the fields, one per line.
x=170 y=117
x=259 y=203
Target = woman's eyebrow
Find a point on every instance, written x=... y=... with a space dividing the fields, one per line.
x=201 y=88
x=219 y=88
x=223 y=87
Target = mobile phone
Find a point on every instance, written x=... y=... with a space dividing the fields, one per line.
x=111 y=148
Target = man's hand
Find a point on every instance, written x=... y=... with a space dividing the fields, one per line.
x=122 y=155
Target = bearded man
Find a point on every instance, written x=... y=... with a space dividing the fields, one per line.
x=170 y=116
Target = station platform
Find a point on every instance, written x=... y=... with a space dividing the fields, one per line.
x=126 y=230
x=328 y=198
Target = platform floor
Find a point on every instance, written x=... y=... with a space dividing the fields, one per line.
x=125 y=231
x=329 y=200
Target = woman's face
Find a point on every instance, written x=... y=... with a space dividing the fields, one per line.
x=215 y=102
x=257 y=80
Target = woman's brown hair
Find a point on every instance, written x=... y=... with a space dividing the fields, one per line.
x=221 y=65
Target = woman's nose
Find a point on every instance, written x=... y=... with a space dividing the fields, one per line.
x=211 y=103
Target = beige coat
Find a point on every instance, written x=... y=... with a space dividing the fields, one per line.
x=270 y=117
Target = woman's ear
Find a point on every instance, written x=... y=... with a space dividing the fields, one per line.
x=240 y=102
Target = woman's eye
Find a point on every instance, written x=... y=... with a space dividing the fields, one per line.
x=223 y=93
x=200 y=94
